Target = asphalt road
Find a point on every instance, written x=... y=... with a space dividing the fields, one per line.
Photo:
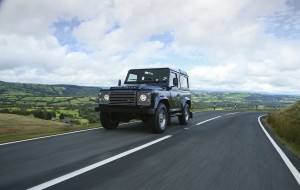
x=226 y=150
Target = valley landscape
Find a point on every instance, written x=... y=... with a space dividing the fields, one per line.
x=233 y=64
x=34 y=110
x=78 y=102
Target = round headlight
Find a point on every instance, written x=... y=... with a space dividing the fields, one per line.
x=106 y=97
x=143 y=97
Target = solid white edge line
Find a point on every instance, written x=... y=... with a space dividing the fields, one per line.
x=96 y=165
x=48 y=136
x=286 y=160
x=208 y=120
x=44 y=137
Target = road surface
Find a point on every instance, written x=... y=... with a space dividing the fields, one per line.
x=216 y=150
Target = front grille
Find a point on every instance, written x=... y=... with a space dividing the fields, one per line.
x=123 y=98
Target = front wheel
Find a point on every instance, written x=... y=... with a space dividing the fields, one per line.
x=185 y=116
x=159 y=122
x=109 y=120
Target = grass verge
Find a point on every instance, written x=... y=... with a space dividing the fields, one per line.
x=285 y=125
x=16 y=127
x=293 y=147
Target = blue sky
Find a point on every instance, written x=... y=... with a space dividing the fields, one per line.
x=235 y=45
x=63 y=33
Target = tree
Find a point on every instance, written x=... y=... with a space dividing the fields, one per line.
x=53 y=114
x=47 y=115
x=39 y=114
x=62 y=116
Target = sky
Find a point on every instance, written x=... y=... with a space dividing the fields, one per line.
x=232 y=45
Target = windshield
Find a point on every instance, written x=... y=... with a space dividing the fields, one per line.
x=147 y=76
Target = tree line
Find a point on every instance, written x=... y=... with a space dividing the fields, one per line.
x=39 y=113
x=86 y=112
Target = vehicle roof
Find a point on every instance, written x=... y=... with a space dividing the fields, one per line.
x=176 y=70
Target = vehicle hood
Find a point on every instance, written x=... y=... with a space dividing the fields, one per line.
x=136 y=87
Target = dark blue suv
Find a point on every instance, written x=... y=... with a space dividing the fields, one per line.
x=153 y=95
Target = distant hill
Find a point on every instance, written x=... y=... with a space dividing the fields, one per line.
x=229 y=100
x=25 y=89
x=15 y=93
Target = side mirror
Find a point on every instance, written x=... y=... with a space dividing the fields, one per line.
x=175 y=81
x=119 y=82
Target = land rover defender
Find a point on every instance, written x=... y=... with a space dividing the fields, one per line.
x=153 y=95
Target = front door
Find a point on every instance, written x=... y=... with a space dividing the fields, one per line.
x=175 y=93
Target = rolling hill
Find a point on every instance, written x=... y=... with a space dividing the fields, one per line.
x=25 y=89
x=18 y=94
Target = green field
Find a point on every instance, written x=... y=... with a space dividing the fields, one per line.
x=20 y=99
x=58 y=102
x=78 y=102
x=15 y=127
x=241 y=100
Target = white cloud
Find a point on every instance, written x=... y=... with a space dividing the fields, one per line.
x=231 y=45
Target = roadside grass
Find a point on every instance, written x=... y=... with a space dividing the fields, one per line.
x=16 y=127
x=286 y=125
x=74 y=113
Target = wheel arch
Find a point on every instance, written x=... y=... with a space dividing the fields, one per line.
x=184 y=101
x=162 y=99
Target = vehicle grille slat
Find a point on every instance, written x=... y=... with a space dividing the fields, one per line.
x=123 y=98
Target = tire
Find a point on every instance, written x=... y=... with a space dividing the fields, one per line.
x=109 y=121
x=160 y=119
x=184 y=118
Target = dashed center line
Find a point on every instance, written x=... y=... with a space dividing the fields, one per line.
x=103 y=162
x=96 y=165
x=232 y=113
x=208 y=120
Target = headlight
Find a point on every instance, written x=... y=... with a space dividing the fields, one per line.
x=106 y=97
x=144 y=98
x=103 y=97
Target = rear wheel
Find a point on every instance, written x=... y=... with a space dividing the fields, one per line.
x=159 y=122
x=185 y=116
x=109 y=120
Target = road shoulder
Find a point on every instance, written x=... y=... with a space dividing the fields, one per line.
x=289 y=154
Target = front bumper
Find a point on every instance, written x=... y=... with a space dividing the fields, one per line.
x=135 y=110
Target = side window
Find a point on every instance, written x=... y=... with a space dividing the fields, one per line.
x=184 y=81
x=172 y=76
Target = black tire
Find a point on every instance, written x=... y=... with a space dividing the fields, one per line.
x=109 y=121
x=184 y=118
x=160 y=119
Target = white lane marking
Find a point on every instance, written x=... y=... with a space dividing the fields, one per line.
x=286 y=160
x=96 y=165
x=37 y=138
x=48 y=136
x=208 y=120
x=232 y=113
